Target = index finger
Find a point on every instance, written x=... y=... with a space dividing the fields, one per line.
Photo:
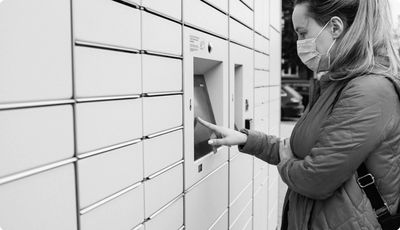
x=207 y=124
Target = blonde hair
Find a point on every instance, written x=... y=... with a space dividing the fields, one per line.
x=366 y=45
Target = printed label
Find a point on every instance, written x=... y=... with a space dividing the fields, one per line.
x=196 y=43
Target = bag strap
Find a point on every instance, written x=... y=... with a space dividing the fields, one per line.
x=366 y=181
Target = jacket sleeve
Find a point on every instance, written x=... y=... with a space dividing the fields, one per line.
x=353 y=130
x=262 y=146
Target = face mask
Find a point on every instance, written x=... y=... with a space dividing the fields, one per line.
x=308 y=53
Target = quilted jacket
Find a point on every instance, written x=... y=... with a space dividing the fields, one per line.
x=335 y=135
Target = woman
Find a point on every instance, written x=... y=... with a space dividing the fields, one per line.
x=353 y=118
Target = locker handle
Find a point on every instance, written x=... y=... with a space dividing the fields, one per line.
x=97 y=45
x=24 y=105
x=163 y=132
x=165 y=207
x=109 y=148
x=35 y=171
x=110 y=198
x=128 y=3
x=164 y=170
x=162 y=94
x=110 y=98
x=138 y=227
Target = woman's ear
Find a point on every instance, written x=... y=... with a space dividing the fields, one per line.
x=337 y=27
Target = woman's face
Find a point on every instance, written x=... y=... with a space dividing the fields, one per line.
x=306 y=27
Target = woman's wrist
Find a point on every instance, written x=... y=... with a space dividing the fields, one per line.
x=243 y=137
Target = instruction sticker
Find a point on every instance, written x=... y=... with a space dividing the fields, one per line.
x=196 y=43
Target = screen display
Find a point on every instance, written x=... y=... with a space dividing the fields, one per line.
x=202 y=109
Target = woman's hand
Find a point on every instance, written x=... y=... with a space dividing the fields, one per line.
x=285 y=151
x=225 y=136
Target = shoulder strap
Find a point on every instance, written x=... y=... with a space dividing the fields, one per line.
x=366 y=181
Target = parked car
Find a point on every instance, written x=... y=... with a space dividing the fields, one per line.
x=291 y=102
x=302 y=86
x=303 y=90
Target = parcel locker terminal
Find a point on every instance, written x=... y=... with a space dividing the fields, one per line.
x=203 y=109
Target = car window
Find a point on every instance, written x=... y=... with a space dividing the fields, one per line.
x=291 y=91
x=283 y=93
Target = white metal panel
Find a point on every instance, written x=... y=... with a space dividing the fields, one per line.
x=275 y=70
x=275 y=14
x=273 y=188
x=105 y=174
x=261 y=124
x=238 y=205
x=261 y=96
x=240 y=33
x=221 y=223
x=261 y=43
x=139 y=227
x=249 y=224
x=162 y=151
x=220 y=4
x=261 y=112
x=169 y=219
x=241 y=12
x=162 y=189
x=172 y=8
x=161 y=113
x=261 y=16
x=241 y=86
x=123 y=212
x=261 y=78
x=161 y=74
x=35 y=67
x=273 y=198
x=194 y=12
x=275 y=93
x=161 y=35
x=261 y=208
x=34 y=137
x=101 y=124
x=45 y=201
x=261 y=61
x=249 y=3
x=100 y=72
x=214 y=190
x=240 y=175
x=275 y=118
x=261 y=118
x=258 y=166
x=262 y=178
x=241 y=221
x=274 y=126
x=107 y=22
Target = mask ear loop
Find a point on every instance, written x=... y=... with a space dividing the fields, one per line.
x=328 y=53
x=323 y=28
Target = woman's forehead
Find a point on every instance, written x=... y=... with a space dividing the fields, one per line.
x=300 y=17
